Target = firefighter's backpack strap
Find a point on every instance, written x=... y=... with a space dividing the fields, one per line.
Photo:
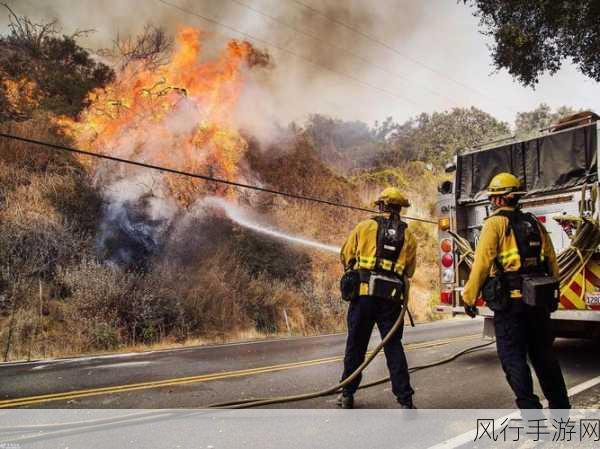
x=390 y=241
x=528 y=235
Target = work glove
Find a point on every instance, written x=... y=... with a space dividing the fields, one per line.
x=472 y=311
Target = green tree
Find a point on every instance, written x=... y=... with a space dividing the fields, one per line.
x=530 y=123
x=344 y=145
x=437 y=137
x=532 y=37
x=431 y=138
x=37 y=55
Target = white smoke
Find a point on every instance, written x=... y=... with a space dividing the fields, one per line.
x=185 y=118
x=258 y=113
x=136 y=218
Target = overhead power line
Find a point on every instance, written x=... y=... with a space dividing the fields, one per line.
x=342 y=49
x=199 y=176
x=398 y=52
x=286 y=50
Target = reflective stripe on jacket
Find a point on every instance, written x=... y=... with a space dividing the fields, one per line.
x=361 y=246
x=494 y=243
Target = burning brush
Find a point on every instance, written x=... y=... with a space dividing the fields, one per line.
x=176 y=114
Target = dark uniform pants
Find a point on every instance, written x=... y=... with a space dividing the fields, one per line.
x=523 y=331
x=363 y=313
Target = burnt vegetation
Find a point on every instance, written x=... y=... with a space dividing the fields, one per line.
x=150 y=47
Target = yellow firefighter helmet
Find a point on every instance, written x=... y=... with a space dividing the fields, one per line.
x=391 y=196
x=504 y=184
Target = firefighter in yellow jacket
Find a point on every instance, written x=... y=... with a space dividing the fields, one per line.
x=514 y=245
x=381 y=253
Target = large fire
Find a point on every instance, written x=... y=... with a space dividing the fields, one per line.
x=177 y=115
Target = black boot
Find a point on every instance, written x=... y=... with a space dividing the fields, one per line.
x=406 y=405
x=345 y=401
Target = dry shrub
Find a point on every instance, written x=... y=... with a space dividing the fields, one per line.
x=35 y=158
x=33 y=242
x=21 y=328
x=223 y=298
x=95 y=290
x=114 y=307
x=212 y=281
x=47 y=210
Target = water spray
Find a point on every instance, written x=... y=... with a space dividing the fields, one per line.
x=241 y=217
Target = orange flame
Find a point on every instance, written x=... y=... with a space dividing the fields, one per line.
x=177 y=115
x=22 y=96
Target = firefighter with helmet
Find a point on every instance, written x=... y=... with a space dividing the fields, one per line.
x=379 y=257
x=516 y=271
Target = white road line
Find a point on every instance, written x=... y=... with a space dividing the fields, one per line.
x=469 y=437
x=584 y=386
x=122 y=365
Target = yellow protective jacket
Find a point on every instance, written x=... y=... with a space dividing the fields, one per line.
x=494 y=243
x=361 y=246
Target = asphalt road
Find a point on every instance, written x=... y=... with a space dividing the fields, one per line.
x=198 y=376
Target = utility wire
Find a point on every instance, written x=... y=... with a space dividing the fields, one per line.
x=396 y=51
x=199 y=176
x=286 y=50
x=342 y=49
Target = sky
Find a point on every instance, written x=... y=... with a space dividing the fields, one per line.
x=394 y=58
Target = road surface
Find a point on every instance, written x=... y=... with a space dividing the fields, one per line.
x=198 y=376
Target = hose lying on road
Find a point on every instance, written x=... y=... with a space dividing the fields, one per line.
x=246 y=403
x=255 y=402
x=58 y=428
x=448 y=359
x=45 y=431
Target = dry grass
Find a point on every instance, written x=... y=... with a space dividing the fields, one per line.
x=214 y=282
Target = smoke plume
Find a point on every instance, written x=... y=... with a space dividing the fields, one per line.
x=305 y=82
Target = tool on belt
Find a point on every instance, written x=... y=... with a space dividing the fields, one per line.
x=383 y=281
x=533 y=280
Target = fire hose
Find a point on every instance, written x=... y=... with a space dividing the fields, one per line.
x=258 y=402
x=248 y=403
x=574 y=259
x=245 y=403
